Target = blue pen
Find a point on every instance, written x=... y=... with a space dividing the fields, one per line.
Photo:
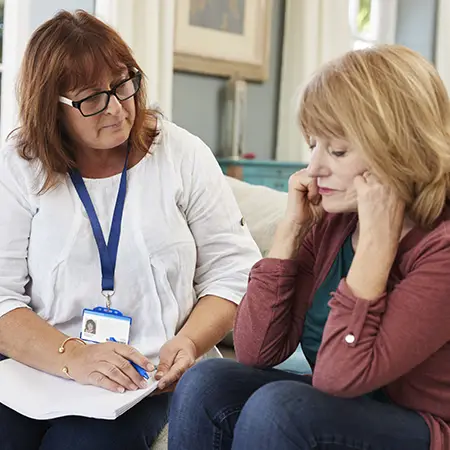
x=139 y=369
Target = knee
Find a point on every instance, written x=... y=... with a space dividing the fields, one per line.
x=203 y=384
x=204 y=376
x=280 y=403
x=271 y=399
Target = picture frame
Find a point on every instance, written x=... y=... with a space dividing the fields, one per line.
x=225 y=38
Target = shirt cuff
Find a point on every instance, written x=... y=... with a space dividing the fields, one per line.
x=231 y=296
x=7 y=306
x=358 y=310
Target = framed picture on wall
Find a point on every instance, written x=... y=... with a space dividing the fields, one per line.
x=223 y=37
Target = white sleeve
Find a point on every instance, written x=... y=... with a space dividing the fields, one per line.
x=15 y=225
x=225 y=249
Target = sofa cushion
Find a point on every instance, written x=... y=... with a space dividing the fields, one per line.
x=262 y=208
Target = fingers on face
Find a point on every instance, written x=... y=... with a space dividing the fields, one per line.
x=370 y=178
x=299 y=180
x=313 y=192
x=359 y=181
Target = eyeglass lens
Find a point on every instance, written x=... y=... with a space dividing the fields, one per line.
x=98 y=102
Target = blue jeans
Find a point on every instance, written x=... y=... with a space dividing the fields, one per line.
x=221 y=404
x=134 y=430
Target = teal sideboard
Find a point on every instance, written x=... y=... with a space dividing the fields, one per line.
x=273 y=174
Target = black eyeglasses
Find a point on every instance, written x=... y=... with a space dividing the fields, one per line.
x=98 y=102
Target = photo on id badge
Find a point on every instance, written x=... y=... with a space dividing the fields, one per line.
x=102 y=326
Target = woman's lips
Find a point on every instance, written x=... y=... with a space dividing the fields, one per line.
x=326 y=191
x=115 y=125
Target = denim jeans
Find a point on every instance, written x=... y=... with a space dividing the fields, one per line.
x=221 y=404
x=134 y=430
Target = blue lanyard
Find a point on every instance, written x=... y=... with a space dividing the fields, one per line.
x=107 y=252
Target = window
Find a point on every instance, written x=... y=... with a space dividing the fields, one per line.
x=361 y=24
x=372 y=22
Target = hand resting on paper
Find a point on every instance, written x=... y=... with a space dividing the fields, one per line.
x=107 y=365
x=175 y=357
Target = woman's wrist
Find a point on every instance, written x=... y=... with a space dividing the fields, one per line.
x=190 y=342
x=381 y=250
x=71 y=348
x=288 y=239
x=369 y=272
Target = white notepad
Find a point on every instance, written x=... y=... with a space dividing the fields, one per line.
x=38 y=395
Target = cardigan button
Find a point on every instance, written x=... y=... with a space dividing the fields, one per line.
x=242 y=221
x=350 y=338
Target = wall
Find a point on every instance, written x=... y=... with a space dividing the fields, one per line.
x=416 y=25
x=197 y=106
x=197 y=98
x=43 y=10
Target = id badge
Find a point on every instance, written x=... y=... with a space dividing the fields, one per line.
x=101 y=324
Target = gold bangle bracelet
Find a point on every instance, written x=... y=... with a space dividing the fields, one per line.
x=65 y=371
x=62 y=349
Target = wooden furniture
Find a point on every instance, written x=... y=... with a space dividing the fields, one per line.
x=273 y=174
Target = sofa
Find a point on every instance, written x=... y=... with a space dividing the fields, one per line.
x=262 y=209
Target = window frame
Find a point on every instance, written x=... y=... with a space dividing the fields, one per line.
x=16 y=32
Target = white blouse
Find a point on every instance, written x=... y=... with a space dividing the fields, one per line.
x=182 y=238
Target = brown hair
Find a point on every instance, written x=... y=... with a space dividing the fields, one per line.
x=389 y=103
x=65 y=53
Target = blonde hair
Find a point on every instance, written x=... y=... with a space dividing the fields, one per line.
x=390 y=103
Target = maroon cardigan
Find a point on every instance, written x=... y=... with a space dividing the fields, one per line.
x=401 y=340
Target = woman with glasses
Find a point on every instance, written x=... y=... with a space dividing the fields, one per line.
x=112 y=215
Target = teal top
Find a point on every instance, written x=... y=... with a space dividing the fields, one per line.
x=317 y=315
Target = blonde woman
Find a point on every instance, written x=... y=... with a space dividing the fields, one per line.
x=358 y=274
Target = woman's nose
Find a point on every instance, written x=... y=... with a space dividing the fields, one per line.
x=318 y=165
x=114 y=105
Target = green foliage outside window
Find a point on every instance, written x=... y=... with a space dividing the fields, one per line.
x=364 y=16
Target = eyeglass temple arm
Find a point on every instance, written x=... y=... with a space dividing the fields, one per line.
x=65 y=100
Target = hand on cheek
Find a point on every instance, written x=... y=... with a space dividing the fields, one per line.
x=380 y=210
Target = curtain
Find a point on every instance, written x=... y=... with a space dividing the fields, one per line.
x=315 y=32
x=147 y=26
